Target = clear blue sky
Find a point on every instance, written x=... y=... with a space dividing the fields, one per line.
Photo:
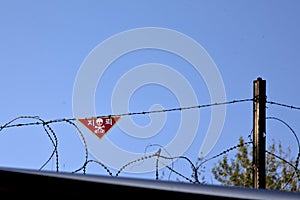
x=44 y=45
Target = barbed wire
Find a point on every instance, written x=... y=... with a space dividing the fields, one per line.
x=54 y=140
x=296 y=170
x=224 y=152
x=295 y=167
x=283 y=105
x=158 y=155
x=10 y=125
x=294 y=133
x=160 y=149
x=55 y=145
x=84 y=142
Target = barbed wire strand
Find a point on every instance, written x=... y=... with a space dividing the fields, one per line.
x=48 y=134
x=298 y=143
x=283 y=105
x=296 y=170
x=179 y=174
x=284 y=160
x=83 y=140
x=95 y=161
x=7 y=125
x=128 y=114
x=190 y=162
x=156 y=164
x=223 y=152
x=134 y=161
x=55 y=145
x=161 y=148
x=294 y=133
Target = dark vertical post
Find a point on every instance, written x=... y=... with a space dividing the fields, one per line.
x=259 y=133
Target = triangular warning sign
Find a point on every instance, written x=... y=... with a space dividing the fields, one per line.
x=99 y=125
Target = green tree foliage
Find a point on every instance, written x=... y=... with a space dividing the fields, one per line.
x=281 y=173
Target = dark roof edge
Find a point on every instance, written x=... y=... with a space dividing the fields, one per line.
x=171 y=186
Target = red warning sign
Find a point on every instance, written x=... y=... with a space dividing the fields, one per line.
x=99 y=125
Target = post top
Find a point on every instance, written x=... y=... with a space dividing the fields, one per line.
x=259 y=79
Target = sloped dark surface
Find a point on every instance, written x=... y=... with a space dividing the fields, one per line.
x=43 y=184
